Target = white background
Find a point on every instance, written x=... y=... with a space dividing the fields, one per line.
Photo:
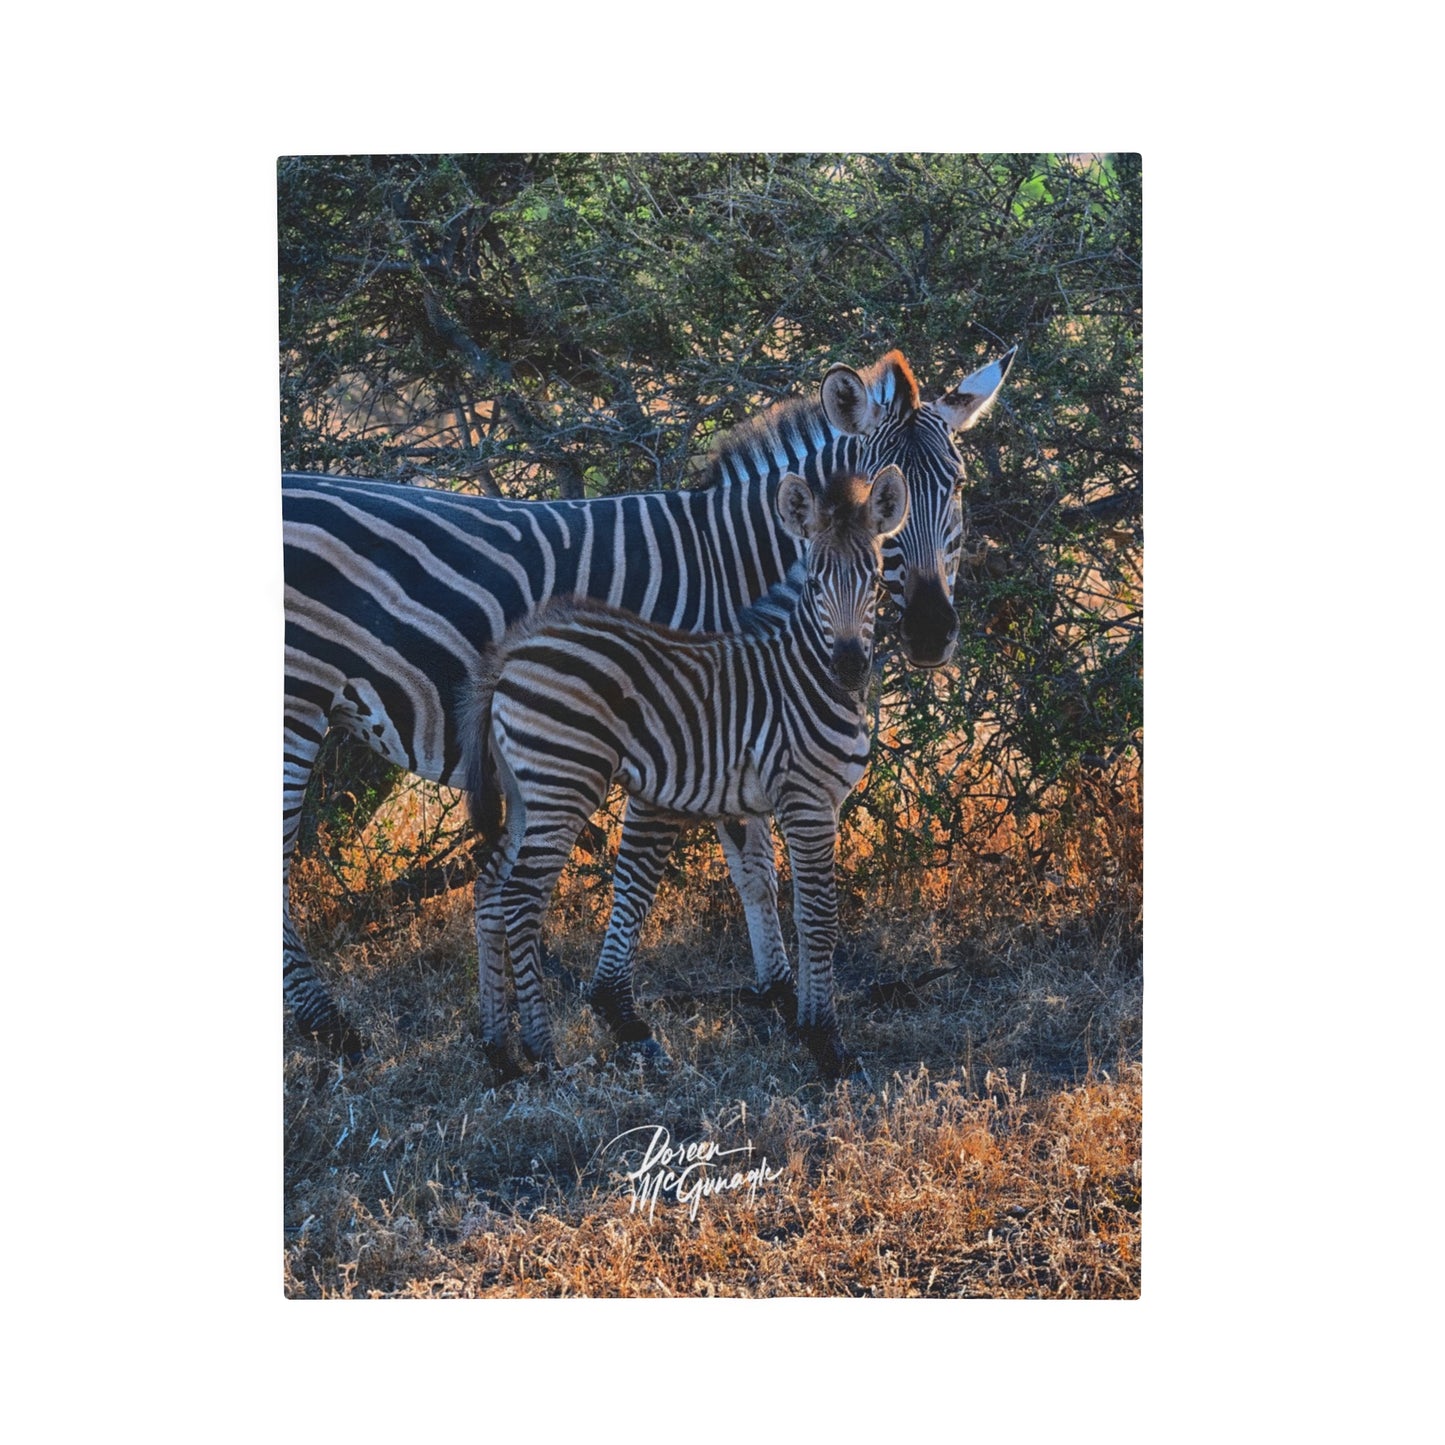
x=1291 y=1260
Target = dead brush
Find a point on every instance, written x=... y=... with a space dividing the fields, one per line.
x=996 y=1154
x=925 y=1189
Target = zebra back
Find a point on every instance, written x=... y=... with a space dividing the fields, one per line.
x=701 y=699
x=393 y=590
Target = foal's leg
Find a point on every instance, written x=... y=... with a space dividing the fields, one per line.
x=492 y=948
x=648 y=838
x=552 y=814
x=747 y=844
x=811 y=831
x=525 y=894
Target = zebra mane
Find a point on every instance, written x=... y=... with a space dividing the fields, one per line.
x=776 y=605
x=845 y=497
x=798 y=425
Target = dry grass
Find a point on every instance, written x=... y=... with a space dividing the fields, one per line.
x=996 y=1152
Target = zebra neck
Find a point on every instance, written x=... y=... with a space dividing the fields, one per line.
x=744 y=550
x=806 y=656
x=737 y=517
x=790 y=437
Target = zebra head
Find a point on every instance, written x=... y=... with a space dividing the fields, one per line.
x=882 y=408
x=842 y=533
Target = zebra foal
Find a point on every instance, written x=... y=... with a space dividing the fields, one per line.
x=767 y=720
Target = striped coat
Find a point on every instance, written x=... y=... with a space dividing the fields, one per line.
x=766 y=720
x=392 y=592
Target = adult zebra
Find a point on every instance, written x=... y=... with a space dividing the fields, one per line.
x=391 y=592
x=769 y=719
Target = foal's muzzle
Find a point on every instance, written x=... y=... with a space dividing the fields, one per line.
x=851 y=665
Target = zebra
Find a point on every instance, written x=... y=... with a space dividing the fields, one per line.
x=392 y=591
x=767 y=720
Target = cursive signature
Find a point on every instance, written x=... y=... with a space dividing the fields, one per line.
x=687 y=1173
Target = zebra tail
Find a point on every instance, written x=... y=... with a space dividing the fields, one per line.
x=484 y=785
x=484 y=793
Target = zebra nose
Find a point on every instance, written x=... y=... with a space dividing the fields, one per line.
x=929 y=627
x=850 y=664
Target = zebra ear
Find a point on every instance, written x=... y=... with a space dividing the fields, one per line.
x=848 y=404
x=973 y=396
x=888 y=502
x=797 y=507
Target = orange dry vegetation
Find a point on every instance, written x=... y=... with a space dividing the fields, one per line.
x=994 y=1151
x=919 y=1191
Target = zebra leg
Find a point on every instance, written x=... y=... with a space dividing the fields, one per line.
x=648 y=837
x=306 y=995
x=811 y=833
x=492 y=955
x=747 y=844
x=541 y=855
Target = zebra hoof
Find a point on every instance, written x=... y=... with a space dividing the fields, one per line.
x=781 y=994
x=626 y=1030
x=826 y=1047
x=351 y=1047
x=616 y=1010
x=337 y=1037
x=540 y=1054
x=503 y=1064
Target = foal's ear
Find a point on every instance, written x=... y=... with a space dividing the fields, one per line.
x=797 y=507
x=888 y=502
x=973 y=396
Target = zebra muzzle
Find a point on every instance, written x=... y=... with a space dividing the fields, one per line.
x=928 y=627
x=851 y=665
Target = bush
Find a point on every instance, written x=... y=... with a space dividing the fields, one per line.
x=541 y=325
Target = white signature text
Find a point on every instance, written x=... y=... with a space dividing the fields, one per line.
x=687 y=1173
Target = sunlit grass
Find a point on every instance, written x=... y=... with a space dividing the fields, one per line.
x=994 y=1151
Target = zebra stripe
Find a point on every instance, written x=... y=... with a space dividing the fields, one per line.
x=768 y=720
x=392 y=591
